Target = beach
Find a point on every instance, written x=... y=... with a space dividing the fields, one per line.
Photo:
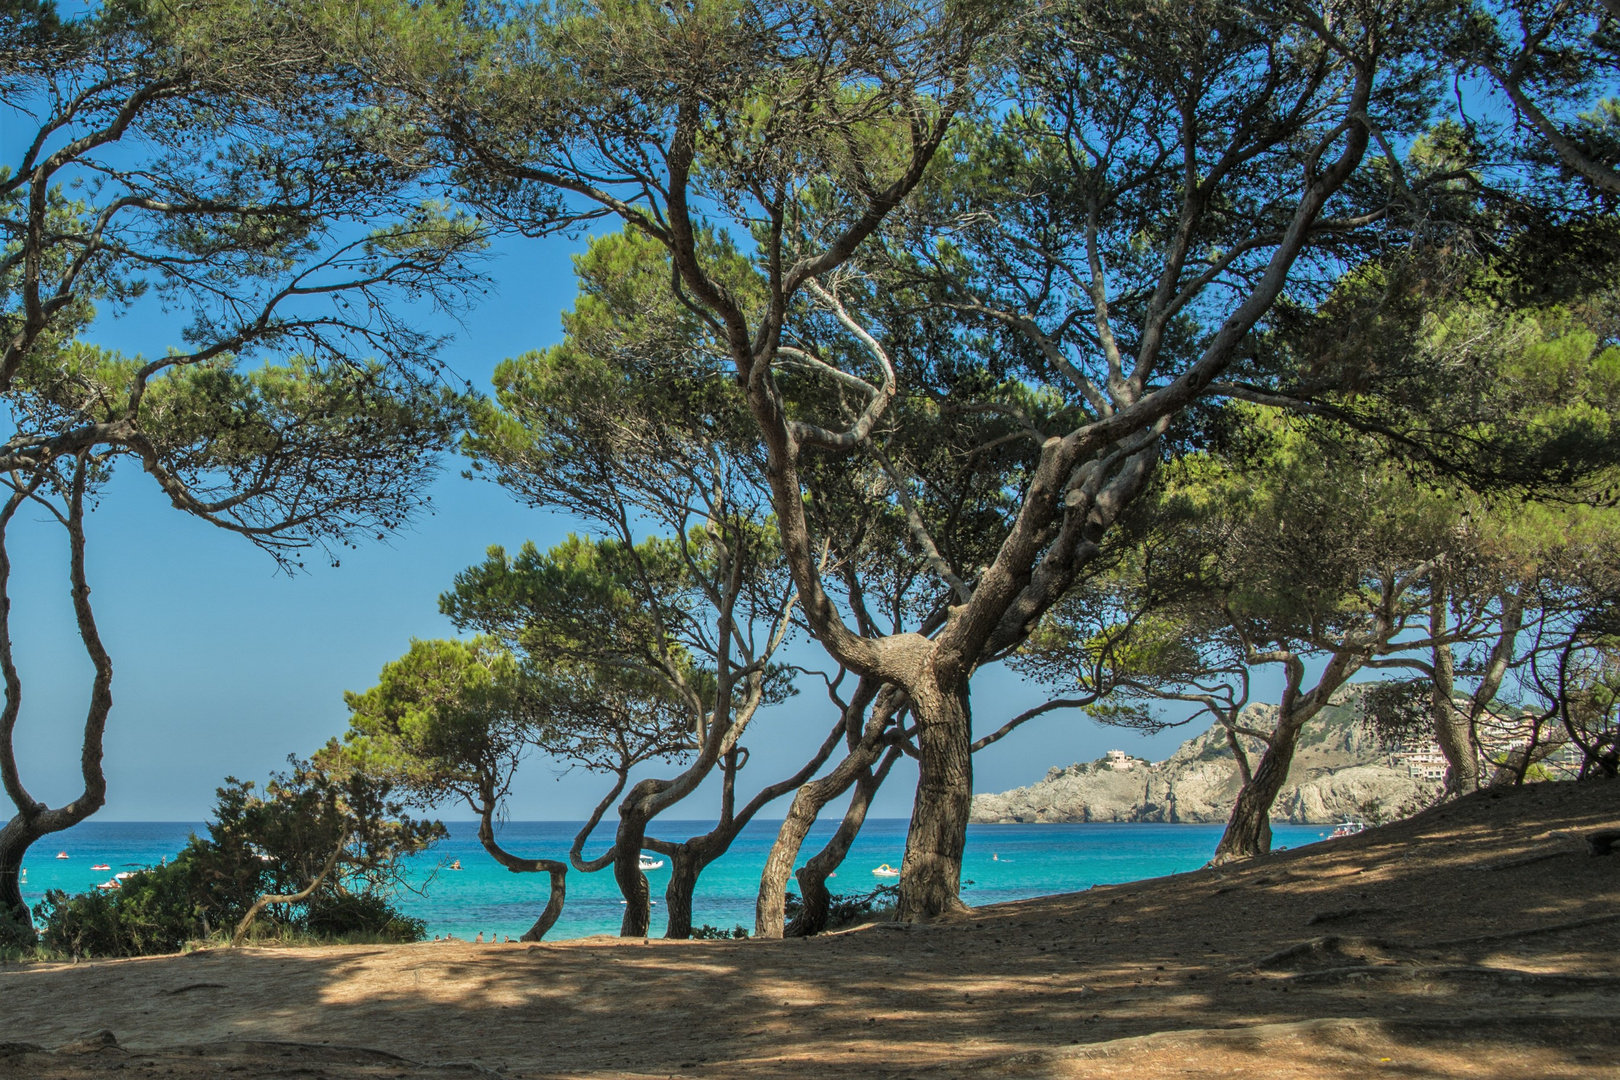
x=1476 y=940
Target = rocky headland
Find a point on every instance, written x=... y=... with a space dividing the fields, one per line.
x=1339 y=772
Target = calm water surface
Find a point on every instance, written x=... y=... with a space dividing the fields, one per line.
x=1003 y=862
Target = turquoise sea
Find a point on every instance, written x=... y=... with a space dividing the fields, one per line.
x=1004 y=862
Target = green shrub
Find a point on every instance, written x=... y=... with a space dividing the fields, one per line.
x=715 y=933
x=844 y=909
x=365 y=915
x=161 y=909
x=156 y=910
x=17 y=938
x=272 y=843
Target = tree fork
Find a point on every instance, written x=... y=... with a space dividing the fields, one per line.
x=1248 y=830
x=808 y=801
x=812 y=876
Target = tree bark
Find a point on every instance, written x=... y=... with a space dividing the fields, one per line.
x=812 y=876
x=1248 y=830
x=33 y=819
x=633 y=887
x=15 y=838
x=1453 y=731
x=557 y=869
x=808 y=801
x=931 y=873
x=684 y=868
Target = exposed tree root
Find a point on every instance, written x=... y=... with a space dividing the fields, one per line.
x=1457 y=971
x=1510 y=935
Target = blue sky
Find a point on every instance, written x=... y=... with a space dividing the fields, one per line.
x=224 y=666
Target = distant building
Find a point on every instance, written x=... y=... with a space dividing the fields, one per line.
x=1119 y=759
x=1422 y=761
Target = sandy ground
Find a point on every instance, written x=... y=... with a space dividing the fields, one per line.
x=1477 y=940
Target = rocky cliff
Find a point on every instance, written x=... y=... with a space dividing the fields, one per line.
x=1339 y=772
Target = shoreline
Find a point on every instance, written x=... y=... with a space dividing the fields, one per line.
x=1485 y=928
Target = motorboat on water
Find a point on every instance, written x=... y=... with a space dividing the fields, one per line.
x=647 y=862
x=124 y=875
x=62 y=855
x=111 y=883
x=886 y=871
x=1348 y=828
x=102 y=866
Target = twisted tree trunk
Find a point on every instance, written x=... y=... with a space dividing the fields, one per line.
x=808 y=801
x=931 y=873
x=558 y=871
x=1453 y=731
x=684 y=867
x=303 y=894
x=812 y=876
x=628 y=841
x=1457 y=733
x=33 y=819
x=690 y=858
x=1248 y=830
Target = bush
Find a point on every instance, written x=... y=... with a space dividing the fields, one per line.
x=715 y=933
x=275 y=843
x=846 y=908
x=365 y=915
x=161 y=909
x=17 y=938
x=156 y=910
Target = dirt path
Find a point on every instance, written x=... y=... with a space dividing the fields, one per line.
x=1478 y=940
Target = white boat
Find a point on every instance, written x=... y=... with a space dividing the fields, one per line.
x=113 y=884
x=124 y=875
x=1349 y=828
x=647 y=862
x=61 y=854
x=886 y=871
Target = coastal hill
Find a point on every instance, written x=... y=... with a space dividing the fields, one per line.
x=1474 y=940
x=1339 y=772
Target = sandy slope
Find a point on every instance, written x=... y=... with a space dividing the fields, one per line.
x=1478 y=940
